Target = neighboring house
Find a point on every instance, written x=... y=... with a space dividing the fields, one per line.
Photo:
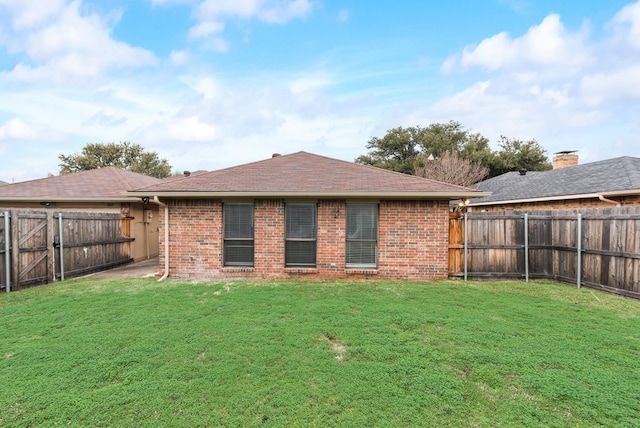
x=304 y=215
x=609 y=182
x=98 y=190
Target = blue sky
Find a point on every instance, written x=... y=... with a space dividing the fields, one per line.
x=214 y=83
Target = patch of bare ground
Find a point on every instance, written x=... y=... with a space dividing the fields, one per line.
x=338 y=348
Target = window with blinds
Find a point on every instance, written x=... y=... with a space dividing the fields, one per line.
x=362 y=235
x=300 y=235
x=238 y=235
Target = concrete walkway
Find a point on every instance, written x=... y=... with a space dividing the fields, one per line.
x=143 y=269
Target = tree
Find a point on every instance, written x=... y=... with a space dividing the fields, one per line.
x=123 y=155
x=395 y=151
x=406 y=149
x=451 y=168
x=515 y=155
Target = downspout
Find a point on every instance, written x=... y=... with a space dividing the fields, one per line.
x=611 y=201
x=166 y=238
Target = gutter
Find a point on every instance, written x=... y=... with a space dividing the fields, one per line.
x=324 y=195
x=611 y=201
x=67 y=199
x=166 y=238
x=544 y=199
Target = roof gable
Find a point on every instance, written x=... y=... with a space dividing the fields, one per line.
x=611 y=175
x=303 y=173
x=102 y=183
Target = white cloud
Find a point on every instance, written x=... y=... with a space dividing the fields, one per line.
x=16 y=129
x=64 y=44
x=28 y=14
x=548 y=44
x=613 y=85
x=211 y=14
x=190 y=129
x=177 y=58
x=629 y=19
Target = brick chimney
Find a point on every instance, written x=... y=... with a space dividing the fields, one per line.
x=565 y=159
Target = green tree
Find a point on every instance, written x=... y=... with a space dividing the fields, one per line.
x=396 y=151
x=515 y=155
x=125 y=155
x=407 y=149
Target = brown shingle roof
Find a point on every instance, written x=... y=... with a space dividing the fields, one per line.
x=303 y=174
x=97 y=184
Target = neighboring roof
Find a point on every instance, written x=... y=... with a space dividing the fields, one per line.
x=3 y=183
x=108 y=183
x=304 y=174
x=618 y=176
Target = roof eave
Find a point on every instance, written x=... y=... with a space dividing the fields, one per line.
x=631 y=192
x=325 y=195
x=531 y=200
x=67 y=199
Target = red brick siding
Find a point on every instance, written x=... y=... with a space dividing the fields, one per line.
x=412 y=243
x=560 y=205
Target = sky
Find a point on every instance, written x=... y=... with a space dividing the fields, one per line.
x=209 y=84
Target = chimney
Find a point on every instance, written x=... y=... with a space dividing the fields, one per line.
x=565 y=159
x=186 y=173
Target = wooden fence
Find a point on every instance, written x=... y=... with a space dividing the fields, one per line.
x=38 y=247
x=598 y=247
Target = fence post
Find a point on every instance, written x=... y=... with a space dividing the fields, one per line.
x=526 y=247
x=61 y=246
x=579 y=255
x=465 y=246
x=51 y=248
x=15 y=247
x=7 y=253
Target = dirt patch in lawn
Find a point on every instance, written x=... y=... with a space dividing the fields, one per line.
x=338 y=348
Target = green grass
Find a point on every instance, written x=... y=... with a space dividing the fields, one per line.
x=479 y=354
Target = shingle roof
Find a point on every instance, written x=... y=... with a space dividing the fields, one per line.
x=104 y=183
x=611 y=175
x=304 y=174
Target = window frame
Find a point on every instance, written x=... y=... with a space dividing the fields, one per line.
x=227 y=240
x=352 y=240
x=290 y=241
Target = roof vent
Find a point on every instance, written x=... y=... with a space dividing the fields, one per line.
x=275 y=155
x=523 y=171
x=186 y=173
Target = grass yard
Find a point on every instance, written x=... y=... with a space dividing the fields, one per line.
x=449 y=354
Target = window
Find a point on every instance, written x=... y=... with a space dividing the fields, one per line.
x=238 y=235
x=300 y=243
x=362 y=235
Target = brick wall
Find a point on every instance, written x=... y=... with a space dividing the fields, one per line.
x=412 y=241
x=562 y=204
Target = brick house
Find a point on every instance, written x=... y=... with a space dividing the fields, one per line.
x=568 y=185
x=98 y=190
x=304 y=215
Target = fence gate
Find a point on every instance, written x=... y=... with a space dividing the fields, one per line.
x=30 y=235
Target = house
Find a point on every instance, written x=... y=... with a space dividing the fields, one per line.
x=604 y=183
x=97 y=190
x=304 y=215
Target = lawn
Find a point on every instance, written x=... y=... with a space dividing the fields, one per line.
x=478 y=354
